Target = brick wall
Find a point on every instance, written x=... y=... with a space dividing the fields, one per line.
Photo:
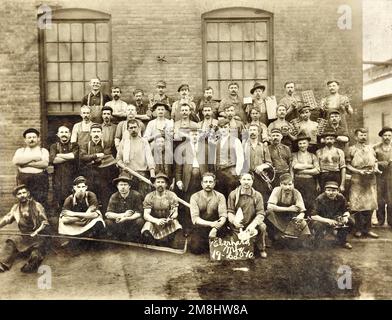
x=308 y=48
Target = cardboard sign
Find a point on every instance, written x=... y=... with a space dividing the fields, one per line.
x=231 y=249
x=271 y=105
x=248 y=100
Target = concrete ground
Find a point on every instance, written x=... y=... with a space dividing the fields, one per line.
x=120 y=272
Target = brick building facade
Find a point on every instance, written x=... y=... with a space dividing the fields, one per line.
x=135 y=43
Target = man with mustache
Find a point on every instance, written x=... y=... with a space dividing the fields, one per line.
x=208 y=125
x=119 y=106
x=332 y=162
x=160 y=97
x=182 y=126
x=32 y=162
x=236 y=126
x=334 y=124
x=336 y=101
x=258 y=103
x=291 y=101
x=208 y=214
x=384 y=180
x=81 y=130
x=31 y=219
x=233 y=99
x=208 y=100
x=143 y=111
x=135 y=153
x=95 y=99
x=285 y=127
x=64 y=157
x=108 y=128
x=362 y=163
x=185 y=98
x=98 y=165
x=245 y=209
x=280 y=155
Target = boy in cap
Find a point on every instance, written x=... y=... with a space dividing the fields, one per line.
x=31 y=219
x=124 y=214
x=331 y=214
x=32 y=162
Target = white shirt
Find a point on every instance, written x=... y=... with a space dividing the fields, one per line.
x=195 y=163
x=25 y=153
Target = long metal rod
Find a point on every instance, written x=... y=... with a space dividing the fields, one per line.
x=14 y=232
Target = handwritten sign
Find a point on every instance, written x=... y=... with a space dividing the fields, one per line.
x=271 y=105
x=231 y=249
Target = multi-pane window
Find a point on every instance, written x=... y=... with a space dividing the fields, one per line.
x=237 y=49
x=74 y=52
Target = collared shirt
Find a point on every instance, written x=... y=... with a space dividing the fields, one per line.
x=95 y=102
x=209 y=207
x=31 y=153
x=156 y=126
x=88 y=152
x=281 y=157
x=255 y=155
x=331 y=160
x=329 y=208
x=119 y=204
x=195 y=147
x=252 y=204
x=176 y=110
x=263 y=131
x=122 y=128
x=108 y=133
x=141 y=108
x=214 y=107
x=137 y=153
x=225 y=148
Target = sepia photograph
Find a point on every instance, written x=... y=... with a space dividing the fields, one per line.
x=165 y=150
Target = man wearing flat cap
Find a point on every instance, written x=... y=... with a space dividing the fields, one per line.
x=384 y=180
x=32 y=162
x=332 y=162
x=331 y=214
x=185 y=98
x=31 y=219
x=336 y=101
x=124 y=213
x=291 y=101
x=160 y=96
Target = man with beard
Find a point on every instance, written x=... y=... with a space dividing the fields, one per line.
x=303 y=125
x=233 y=100
x=291 y=101
x=257 y=159
x=81 y=215
x=32 y=162
x=108 y=128
x=95 y=99
x=119 y=106
x=63 y=156
x=258 y=102
x=208 y=125
x=81 y=130
x=160 y=97
x=98 y=165
x=144 y=113
x=362 y=163
x=208 y=214
x=185 y=98
x=229 y=158
x=124 y=214
x=280 y=155
x=245 y=208
x=208 y=100
x=135 y=153
x=331 y=214
x=334 y=124
x=31 y=219
x=384 y=180
x=332 y=162
x=285 y=127
x=306 y=169
x=336 y=101
x=122 y=127
x=182 y=126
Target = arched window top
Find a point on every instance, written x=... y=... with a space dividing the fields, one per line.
x=79 y=14
x=237 y=12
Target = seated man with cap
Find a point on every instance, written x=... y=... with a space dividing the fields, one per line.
x=124 y=214
x=286 y=211
x=81 y=215
x=161 y=125
x=32 y=162
x=31 y=219
x=185 y=98
x=331 y=214
x=245 y=208
x=208 y=213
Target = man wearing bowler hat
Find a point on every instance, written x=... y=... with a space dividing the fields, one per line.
x=331 y=214
x=32 y=162
x=384 y=180
x=124 y=213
